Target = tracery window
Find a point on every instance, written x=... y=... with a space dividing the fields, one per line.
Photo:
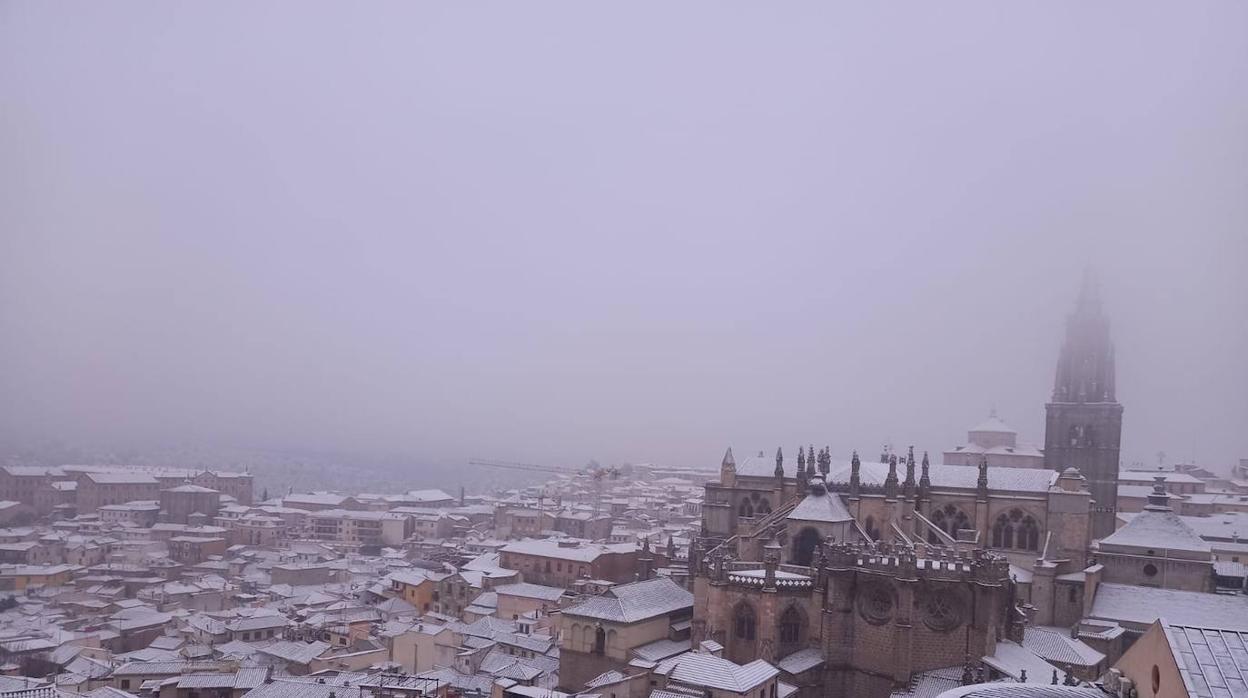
x=949 y=519
x=1015 y=530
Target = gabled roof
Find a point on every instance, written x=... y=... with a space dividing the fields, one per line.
x=532 y=591
x=297 y=652
x=629 y=603
x=707 y=670
x=1056 y=645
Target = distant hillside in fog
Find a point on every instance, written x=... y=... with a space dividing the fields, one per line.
x=282 y=471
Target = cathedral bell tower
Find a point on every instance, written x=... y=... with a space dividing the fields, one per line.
x=1083 y=426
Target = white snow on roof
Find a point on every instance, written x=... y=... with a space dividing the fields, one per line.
x=1012 y=659
x=628 y=603
x=1056 y=645
x=1144 y=605
x=801 y=660
x=993 y=424
x=707 y=670
x=821 y=506
x=942 y=476
x=532 y=591
x=584 y=552
x=1163 y=530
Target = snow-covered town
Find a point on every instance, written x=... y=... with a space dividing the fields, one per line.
x=566 y=349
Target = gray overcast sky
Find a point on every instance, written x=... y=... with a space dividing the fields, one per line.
x=634 y=231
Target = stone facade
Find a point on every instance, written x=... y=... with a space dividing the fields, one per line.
x=877 y=613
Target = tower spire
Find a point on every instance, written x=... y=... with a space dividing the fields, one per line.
x=1083 y=426
x=908 y=492
x=779 y=463
x=925 y=481
x=728 y=469
x=890 y=482
x=855 y=479
x=803 y=473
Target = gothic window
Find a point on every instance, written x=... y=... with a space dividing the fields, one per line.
x=764 y=508
x=949 y=519
x=744 y=622
x=1030 y=531
x=790 y=627
x=746 y=510
x=600 y=641
x=1016 y=531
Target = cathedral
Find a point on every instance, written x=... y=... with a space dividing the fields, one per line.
x=855 y=576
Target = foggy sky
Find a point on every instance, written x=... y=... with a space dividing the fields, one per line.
x=550 y=232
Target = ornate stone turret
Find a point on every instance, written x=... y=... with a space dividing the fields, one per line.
x=645 y=562
x=771 y=561
x=728 y=470
x=825 y=461
x=981 y=485
x=909 y=485
x=925 y=481
x=890 y=482
x=1158 y=499
x=671 y=549
x=855 y=479
x=779 y=464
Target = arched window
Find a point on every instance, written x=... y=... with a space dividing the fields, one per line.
x=790 y=627
x=949 y=519
x=746 y=510
x=1029 y=534
x=600 y=641
x=744 y=622
x=1016 y=530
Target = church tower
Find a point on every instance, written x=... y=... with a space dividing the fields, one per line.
x=1084 y=420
